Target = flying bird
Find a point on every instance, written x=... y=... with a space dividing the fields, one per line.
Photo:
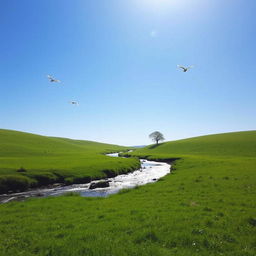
x=52 y=79
x=185 y=69
x=74 y=103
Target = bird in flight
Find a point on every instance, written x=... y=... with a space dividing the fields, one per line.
x=185 y=69
x=52 y=79
x=74 y=103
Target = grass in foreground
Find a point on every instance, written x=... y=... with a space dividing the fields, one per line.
x=28 y=160
x=205 y=207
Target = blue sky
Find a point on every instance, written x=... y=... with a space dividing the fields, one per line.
x=118 y=59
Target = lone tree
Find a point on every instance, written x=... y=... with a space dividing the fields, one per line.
x=156 y=136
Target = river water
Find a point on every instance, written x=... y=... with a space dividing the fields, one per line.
x=149 y=172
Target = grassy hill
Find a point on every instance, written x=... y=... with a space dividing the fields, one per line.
x=205 y=207
x=226 y=144
x=31 y=160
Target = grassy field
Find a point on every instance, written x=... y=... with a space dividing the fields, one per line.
x=235 y=144
x=28 y=160
x=205 y=207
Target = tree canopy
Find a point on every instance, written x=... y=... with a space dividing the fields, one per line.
x=156 y=136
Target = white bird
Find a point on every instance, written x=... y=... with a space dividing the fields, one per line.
x=74 y=103
x=52 y=79
x=185 y=69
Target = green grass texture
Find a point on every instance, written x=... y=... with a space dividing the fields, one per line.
x=205 y=206
x=235 y=144
x=28 y=160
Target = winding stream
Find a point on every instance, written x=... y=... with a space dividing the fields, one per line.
x=149 y=172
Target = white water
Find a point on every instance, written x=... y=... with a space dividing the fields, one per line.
x=149 y=172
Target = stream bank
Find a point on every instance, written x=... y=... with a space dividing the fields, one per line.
x=150 y=171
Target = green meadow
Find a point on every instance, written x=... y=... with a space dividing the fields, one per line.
x=206 y=206
x=235 y=144
x=28 y=160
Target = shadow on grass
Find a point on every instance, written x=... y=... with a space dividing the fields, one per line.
x=154 y=146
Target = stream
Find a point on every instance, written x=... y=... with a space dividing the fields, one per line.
x=149 y=172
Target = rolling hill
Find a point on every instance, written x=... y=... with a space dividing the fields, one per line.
x=233 y=144
x=205 y=207
x=29 y=160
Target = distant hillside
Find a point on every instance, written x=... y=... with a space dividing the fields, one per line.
x=141 y=146
x=14 y=143
x=40 y=160
x=226 y=144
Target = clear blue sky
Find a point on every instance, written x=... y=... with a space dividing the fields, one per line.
x=118 y=58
